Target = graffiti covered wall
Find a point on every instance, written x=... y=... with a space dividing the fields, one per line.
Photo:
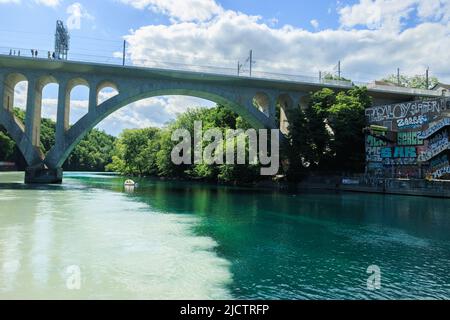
x=419 y=139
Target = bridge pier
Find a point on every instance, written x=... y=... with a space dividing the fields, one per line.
x=40 y=175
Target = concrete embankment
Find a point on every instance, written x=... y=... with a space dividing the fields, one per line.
x=438 y=189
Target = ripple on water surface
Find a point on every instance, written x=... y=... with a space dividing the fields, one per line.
x=124 y=249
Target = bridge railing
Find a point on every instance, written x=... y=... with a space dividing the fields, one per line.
x=113 y=60
x=147 y=63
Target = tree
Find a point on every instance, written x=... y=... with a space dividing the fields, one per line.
x=328 y=133
x=7 y=146
x=347 y=121
x=135 y=152
x=93 y=153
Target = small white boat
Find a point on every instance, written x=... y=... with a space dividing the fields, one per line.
x=130 y=183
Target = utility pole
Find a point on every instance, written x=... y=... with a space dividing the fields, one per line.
x=239 y=67
x=251 y=62
x=428 y=78
x=339 y=69
x=124 y=50
x=320 y=76
x=398 y=77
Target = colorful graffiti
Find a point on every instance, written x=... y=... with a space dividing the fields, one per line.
x=435 y=128
x=409 y=126
x=405 y=110
x=437 y=145
x=439 y=163
x=399 y=152
x=372 y=141
x=414 y=122
x=373 y=154
x=441 y=173
x=409 y=138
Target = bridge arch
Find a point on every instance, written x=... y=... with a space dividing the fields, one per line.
x=82 y=87
x=18 y=130
x=244 y=107
x=11 y=80
x=106 y=86
x=262 y=102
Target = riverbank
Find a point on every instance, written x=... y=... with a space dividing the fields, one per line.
x=7 y=166
x=358 y=183
x=335 y=183
x=407 y=187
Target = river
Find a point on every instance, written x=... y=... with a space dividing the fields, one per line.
x=182 y=240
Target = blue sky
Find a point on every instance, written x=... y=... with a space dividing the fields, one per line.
x=371 y=38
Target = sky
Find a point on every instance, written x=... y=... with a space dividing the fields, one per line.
x=371 y=38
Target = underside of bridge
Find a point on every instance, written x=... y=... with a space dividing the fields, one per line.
x=256 y=100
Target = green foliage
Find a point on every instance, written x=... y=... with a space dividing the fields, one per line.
x=148 y=151
x=93 y=153
x=327 y=135
x=347 y=120
x=416 y=82
x=135 y=152
x=330 y=76
x=48 y=129
x=6 y=146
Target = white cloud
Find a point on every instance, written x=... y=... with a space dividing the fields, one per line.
x=9 y=1
x=392 y=14
x=365 y=54
x=315 y=24
x=77 y=13
x=152 y=112
x=48 y=3
x=180 y=10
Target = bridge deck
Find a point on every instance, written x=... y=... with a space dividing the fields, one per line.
x=277 y=82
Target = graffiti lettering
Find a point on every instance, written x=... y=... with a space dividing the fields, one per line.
x=441 y=172
x=436 y=145
x=372 y=141
x=404 y=110
x=399 y=152
x=373 y=154
x=441 y=124
x=438 y=163
x=409 y=139
x=399 y=162
x=412 y=122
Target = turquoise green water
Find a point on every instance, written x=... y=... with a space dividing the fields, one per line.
x=179 y=240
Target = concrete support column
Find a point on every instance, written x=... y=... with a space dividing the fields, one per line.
x=33 y=113
x=2 y=93
x=63 y=112
x=7 y=93
x=92 y=96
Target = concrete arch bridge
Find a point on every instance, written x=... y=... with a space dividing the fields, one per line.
x=255 y=99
